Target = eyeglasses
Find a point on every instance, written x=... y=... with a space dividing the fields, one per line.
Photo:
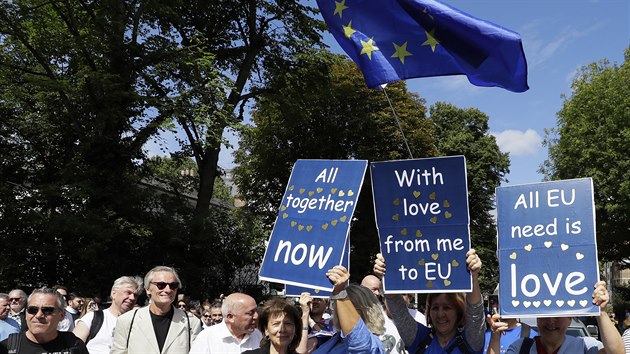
x=16 y=299
x=182 y=305
x=207 y=316
x=161 y=285
x=46 y=310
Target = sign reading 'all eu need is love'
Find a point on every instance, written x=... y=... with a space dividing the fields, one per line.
x=311 y=229
x=421 y=208
x=547 y=249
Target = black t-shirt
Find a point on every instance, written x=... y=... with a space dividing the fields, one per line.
x=65 y=343
x=161 y=325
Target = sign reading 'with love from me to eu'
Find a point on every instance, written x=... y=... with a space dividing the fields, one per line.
x=421 y=208
x=311 y=230
x=547 y=249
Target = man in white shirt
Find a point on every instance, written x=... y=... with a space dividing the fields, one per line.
x=236 y=334
x=124 y=295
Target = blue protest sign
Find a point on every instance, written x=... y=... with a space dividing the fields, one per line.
x=547 y=249
x=296 y=291
x=313 y=222
x=421 y=208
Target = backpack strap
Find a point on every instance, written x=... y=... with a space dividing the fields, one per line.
x=13 y=343
x=526 y=345
x=525 y=330
x=97 y=323
x=422 y=347
x=130 y=327
x=460 y=343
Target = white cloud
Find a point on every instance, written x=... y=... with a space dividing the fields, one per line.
x=517 y=142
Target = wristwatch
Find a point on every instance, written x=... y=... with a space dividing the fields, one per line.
x=341 y=295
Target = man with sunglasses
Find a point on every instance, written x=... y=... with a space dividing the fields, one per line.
x=44 y=311
x=159 y=327
x=96 y=328
x=17 y=298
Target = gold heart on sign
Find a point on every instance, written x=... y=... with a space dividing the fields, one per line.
x=416 y=194
x=283 y=208
x=455 y=263
x=418 y=233
x=310 y=193
x=513 y=255
x=334 y=222
x=341 y=193
x=343 y=218
x=293 y=223
x=433 y=219
x=325 y=226
x=432 y=196
x=515 y=303
x=528 y=247
x=429 y=284
x=447 y=282
x=564 y=247
x=446 y=204
x=300 y=227
x=448 y=215
x=350 y=193
x=403 y=232
x=291 y=188
x=302 y=190
x=395 y=217
x=319 y=189
x=421 y=262
x=396 y=201
x=333 y=190
x=309 y=228
x=435 y=256
x=285 y=215
x=316 y=291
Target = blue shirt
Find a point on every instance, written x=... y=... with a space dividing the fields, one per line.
x=6 y=329
x=571 y=345
x=510 y=336
x=434 y=347
x=360 y=341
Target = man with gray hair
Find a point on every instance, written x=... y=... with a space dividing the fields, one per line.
x=96 y=328
x=7 y=325
x=17 y=302
x=44 y=310
x=159 y=327
x=237 y=333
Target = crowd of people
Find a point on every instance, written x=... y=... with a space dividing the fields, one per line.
x=356 y=318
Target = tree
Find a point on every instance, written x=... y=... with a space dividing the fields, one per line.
x=321 y=109
x=466 y=132
x=591 y=139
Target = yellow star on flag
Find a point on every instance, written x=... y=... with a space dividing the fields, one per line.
x=368 y=47
x=401 y=52
x=339 y=7
x=431 y=40
x=348 y=30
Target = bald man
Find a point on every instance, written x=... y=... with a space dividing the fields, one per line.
x=236 y=334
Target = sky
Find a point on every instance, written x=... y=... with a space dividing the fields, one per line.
x=559 y=37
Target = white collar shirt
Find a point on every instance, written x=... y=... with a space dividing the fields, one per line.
x=218 y=339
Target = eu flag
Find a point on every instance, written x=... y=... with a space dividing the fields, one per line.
x=392 y=40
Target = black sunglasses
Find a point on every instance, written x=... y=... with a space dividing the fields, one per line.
x=161 y=285
x=46 y=310
x=207 y=316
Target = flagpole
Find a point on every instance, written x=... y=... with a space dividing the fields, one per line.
x=397 y=122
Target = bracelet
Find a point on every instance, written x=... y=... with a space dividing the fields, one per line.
x=305 y=328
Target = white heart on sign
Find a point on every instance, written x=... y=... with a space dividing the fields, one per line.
x=564 y=246
x=536 y=304
x=515 y=303
x=526 y=304
x=583 y=303
x=579 y=256
x=571 y=303
x=559 y=303
x=528 y=247
x=547 y=302
x=548 y=244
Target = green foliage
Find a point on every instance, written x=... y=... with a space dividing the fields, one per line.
x=466 y=132
x=592 y=139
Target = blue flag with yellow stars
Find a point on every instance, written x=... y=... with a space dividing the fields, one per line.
x=393 y=40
